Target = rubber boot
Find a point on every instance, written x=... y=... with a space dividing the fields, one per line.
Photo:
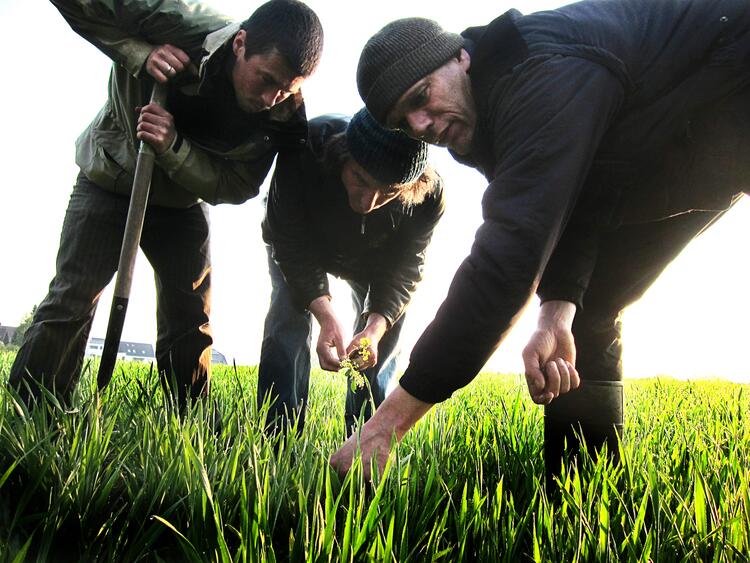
x=594 y=413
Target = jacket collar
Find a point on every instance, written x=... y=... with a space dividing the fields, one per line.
x=494 y=49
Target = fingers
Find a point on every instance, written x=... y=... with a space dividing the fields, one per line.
x=561 y=377
x=372 y=446
x=534 y=375
x=328 y=360
x=166 y=61
x=535 y=378
x=558 y=377
x=361 y=361
x=156 y=127
x=535 y=381
x=575 y=379
x=330 y=352
x=372 y=358
x=351 y=348
x=340 y=350
x=155 y=111
x=342 y=459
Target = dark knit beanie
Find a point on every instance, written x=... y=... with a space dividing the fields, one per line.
x=388 y=156
x=399 y=55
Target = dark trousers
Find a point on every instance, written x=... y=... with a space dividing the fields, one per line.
x=284 y=370
x=630 y=260
x=176 y=243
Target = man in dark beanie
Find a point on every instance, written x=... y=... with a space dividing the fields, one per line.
x=611 y=133
x=234 y=101
x=360 y=203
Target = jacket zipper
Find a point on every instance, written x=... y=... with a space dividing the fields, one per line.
x=362 y=228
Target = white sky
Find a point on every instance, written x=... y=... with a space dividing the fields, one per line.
x=690 y=324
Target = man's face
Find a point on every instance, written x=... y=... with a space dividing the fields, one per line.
x=263 y=80
x=439 y=109
x=365 y=193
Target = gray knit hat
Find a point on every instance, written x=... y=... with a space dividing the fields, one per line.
x=388 y=156
x=399 y=55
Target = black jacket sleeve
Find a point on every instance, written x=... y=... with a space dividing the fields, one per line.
x=569 y=269
x=286 y=229
x=391 y=292
x=545 y=126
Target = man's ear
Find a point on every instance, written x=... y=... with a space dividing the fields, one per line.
x=464 y=60
x=238 y=43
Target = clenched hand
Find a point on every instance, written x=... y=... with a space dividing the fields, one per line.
x=550 y=355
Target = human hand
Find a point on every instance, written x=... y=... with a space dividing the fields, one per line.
x=371 y=334
x=550 y=355
x=330 y=346
x=155 y=127
x=165 y=61
x=392 y=420
x=373 y=445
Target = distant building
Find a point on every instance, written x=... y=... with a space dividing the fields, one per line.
x=135 y=351
x=138 y=351
x=7 y=333
x=217 y=357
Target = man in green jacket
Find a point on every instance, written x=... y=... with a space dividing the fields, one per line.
x=234 y=102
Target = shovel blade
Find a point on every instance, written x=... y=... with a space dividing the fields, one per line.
x=112 y=340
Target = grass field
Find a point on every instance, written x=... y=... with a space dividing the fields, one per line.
x=124 y=479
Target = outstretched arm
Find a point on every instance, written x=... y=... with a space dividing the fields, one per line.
x=393 y=418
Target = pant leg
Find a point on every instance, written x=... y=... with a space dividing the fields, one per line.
x=284 y=370
x=53 y=346
x=362 y=400
x=177 y=244
x=629 y=261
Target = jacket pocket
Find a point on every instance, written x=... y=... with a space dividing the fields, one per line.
x=105 y=154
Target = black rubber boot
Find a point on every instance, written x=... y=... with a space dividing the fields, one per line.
x=594 y=413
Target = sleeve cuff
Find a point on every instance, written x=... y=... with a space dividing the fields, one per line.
x=570 y=293
x=421 y=387
x=390 y=316
x=134 y=54
x=304 y=296
x=175 y=156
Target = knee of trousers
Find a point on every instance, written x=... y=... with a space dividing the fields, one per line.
x=594 y=403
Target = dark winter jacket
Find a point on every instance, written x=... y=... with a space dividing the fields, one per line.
x=313 y=231
x=586 y=120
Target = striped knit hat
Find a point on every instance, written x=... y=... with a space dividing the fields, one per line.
x=388 y=156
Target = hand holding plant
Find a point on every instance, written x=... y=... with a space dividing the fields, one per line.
x=356 y=360
x=373 y=331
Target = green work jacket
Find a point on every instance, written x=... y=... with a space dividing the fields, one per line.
x=201 y=165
